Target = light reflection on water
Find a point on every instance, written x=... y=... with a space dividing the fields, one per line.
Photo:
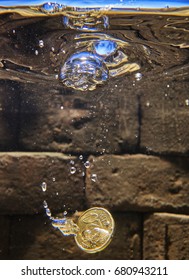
x=88 y=3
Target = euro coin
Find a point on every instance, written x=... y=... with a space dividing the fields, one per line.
x=96 y=228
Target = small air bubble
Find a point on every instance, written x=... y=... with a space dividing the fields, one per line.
x=14 y=31
x=72 y=170
x=54 y=179
x=48 y=212
x=168 y=86
x=87 y=164
x=61 y=107
x=41 y=43
x=44 y=186
x=93 y=177
x=187 y=102
x=138 y=76
x=65 y=213
x=80 y=157
x=45 y=205
x=36 y=52
x=147 y=103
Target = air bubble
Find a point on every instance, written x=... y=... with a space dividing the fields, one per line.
x=72 y=170
x=80 y=157
x=138 y=76
x=65 y=213
x=83 y=71
x=61 y=107
x=147 y=103
x=54 y=179
x=44 y=186
x=105 y=47
x=87 y=164
x=45 y=205
x=50 y=7
x=36 y=52
x=48 y=212
x=187 y=102
x=41 y=43
x=93 y=177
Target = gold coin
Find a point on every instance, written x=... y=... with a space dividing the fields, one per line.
x=96 y=227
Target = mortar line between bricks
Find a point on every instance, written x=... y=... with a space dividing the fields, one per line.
x=19 y=120
x=139 y=113
x=9 y=238
x=166 y=245
x=142 y=236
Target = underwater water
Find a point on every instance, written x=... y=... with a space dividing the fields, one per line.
x=93 y=80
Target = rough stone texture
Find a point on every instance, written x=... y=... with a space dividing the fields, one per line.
x=21 y=176
x=9 y=115
x=90 y=122
x=139 y=182
x=166 y=237
x=165 y=114
x=4 y=237
x=33 y=237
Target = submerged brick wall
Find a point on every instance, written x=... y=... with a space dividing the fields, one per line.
x=137 y=142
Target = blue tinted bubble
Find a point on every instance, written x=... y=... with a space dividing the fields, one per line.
x=51 y=7
x=48 y=7
x=83 y=71
x=105 y=47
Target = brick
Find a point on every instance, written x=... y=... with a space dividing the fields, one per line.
x=166 y=236
x=4 y=237
x=138 y=183
x=165 y=114
x=33 y=237
x=21 y=176
x=105 y=120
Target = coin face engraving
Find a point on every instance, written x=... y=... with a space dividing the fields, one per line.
x=96 y=227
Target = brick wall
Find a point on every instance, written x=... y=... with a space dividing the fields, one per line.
x=136 y=139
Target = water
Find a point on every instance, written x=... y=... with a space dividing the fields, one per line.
x=83 y=79
x=89 y=58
